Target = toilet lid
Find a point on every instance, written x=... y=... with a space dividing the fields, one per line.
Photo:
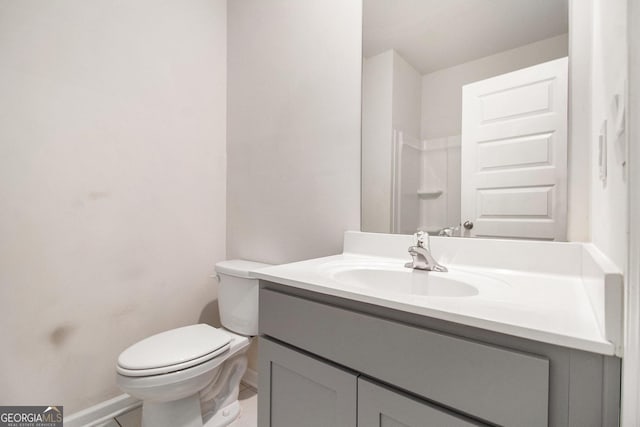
x=173 y=350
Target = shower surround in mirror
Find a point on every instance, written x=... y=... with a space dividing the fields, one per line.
x=425 y=183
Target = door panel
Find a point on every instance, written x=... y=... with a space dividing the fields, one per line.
x=528 y=151
x=298 y=390
x=517 y=101
x=533 y=201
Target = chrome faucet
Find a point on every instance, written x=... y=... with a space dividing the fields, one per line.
x=422 y=258
x=449 y=232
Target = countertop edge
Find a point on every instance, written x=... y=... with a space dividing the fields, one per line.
x=600 y=347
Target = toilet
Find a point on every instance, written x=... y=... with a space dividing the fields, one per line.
x=190 y=376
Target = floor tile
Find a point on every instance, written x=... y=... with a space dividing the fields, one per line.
x=131 y=418
x=248 y=416
x=249 y=404
x=110 y=423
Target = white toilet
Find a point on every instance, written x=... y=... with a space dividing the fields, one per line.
x=190 y=376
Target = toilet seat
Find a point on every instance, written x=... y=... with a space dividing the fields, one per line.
x=173 y=350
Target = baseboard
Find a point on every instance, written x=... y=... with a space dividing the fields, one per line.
x=250 y=378
x=102 y=412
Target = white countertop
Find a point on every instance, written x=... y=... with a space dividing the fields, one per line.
x=550 y=308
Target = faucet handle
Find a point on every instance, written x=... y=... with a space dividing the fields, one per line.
x=420 y=238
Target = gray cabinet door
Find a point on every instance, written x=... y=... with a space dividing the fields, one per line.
x=379 y=406
x=296 y=390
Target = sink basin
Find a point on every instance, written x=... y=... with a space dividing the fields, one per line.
x=407 y=281
x=390 y=277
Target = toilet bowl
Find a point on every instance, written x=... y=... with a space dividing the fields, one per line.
x=190 y=376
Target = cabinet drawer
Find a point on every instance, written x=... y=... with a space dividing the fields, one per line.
x=501 y=386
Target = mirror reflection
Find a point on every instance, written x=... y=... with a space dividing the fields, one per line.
x=464 y=117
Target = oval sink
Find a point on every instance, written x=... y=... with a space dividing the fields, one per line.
x=407 y=281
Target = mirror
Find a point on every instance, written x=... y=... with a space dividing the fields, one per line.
x=494 y=161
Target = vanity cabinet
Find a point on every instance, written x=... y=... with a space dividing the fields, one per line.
x=328 y=361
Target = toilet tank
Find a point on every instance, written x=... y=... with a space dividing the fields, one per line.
x=238 y=295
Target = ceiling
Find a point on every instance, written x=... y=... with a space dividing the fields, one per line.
x=437 y=34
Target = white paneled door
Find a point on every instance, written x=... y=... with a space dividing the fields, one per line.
x=514 y=154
